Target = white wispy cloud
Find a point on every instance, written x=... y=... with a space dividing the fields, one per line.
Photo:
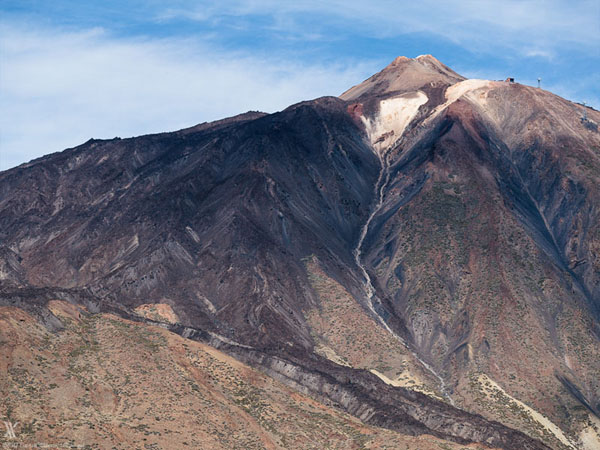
x=60 y=88
x=479 y=24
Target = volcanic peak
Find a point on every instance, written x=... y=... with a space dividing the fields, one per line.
x=403 y=75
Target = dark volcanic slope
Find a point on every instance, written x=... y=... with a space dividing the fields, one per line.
x=474 y=207
x=213 y=222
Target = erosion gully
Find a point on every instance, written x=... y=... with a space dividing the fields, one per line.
x=382 y=182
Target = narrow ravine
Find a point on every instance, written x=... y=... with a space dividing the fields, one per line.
x=382 y=182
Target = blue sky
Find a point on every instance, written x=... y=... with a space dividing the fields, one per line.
x=72 y=70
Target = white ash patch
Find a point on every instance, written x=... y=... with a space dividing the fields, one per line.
x=394 y=116
x=476 y=90
x=457 y=90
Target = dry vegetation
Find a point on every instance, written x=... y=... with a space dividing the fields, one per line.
x=346 y=334
x=105 y=382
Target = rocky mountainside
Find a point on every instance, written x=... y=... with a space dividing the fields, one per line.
x=422 y=252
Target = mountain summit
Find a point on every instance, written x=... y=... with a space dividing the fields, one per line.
x=405 y=75
x=422 y=253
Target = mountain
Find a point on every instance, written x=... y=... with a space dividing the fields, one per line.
x=422 y=253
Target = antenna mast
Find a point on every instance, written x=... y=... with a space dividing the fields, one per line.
x=584 y=118
x=539 y=82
